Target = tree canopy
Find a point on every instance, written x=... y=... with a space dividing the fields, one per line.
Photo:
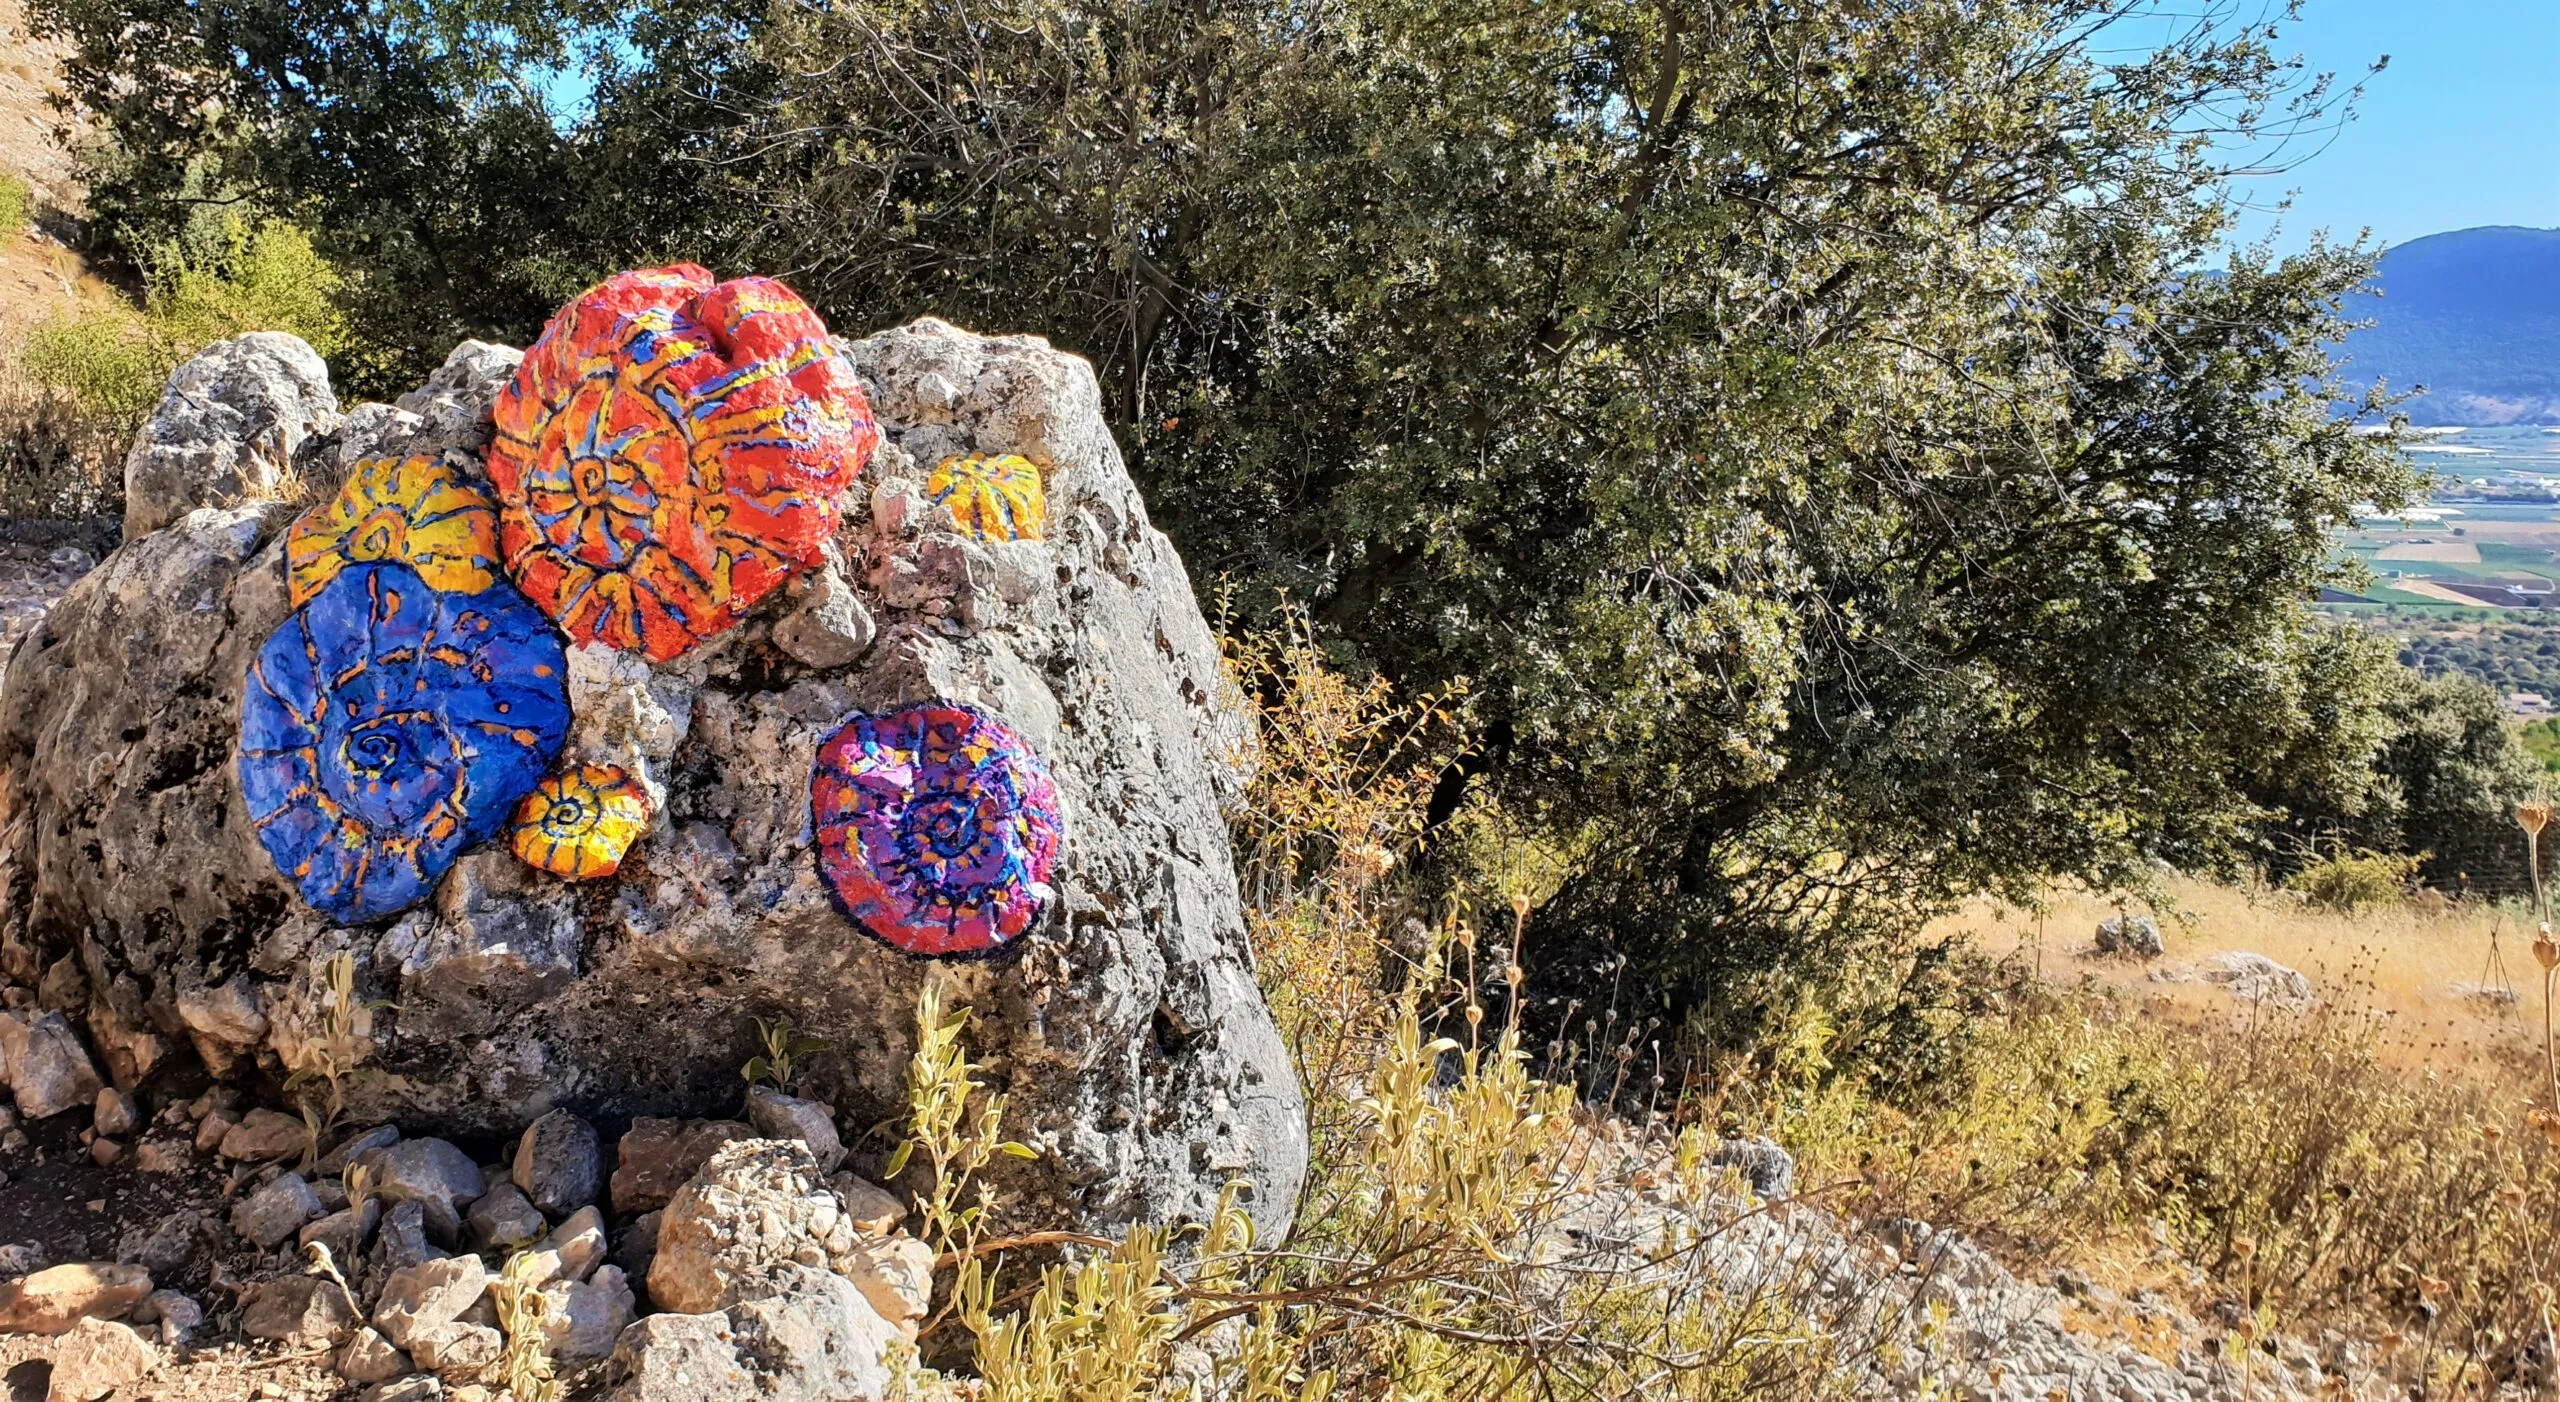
x=1827 y=438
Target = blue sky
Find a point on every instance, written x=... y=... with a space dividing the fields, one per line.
x=2462 y=129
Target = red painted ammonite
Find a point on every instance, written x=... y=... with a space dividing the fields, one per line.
x=670 y=451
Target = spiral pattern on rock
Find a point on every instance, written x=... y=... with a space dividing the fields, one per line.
x=581 y=823
x=991 y=496
x=412 y=511
x=670 y=451
x=386 y=726
x=937 y=828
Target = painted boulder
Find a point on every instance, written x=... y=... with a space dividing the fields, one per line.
x=923 y=740
x=937 y=828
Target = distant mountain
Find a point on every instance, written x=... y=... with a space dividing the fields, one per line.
x=2474 y=316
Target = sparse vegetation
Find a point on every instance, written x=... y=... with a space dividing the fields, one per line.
x=73 y=395
x=341 y=1038
x=17 y=205
x=526 y=1365
x=778 y=1063
x=2356 y=881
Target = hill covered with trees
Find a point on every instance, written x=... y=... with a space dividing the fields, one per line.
x=2474 y=317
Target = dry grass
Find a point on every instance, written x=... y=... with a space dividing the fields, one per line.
x=2408 y=966
x=2452 y=552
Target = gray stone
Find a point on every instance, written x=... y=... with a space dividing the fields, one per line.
x=457 y=1350
x=507 y=942
x=574 y=1249
x=46 y=1067
x=226 y=428
x=348 y=1149
x=428 y=1296
x=345 y=1232
x=779 y=1116
x=367 y=1357
x=756 y=1204
x=559 y=1163
x=2137 y=936
x=637 y=1249
x=168 y=1245
x=178 y=1315
x=416 y=1388
x=276 y=1211
x=1125 y=1027
x=96 y=1358
x=432 y=1173
x=303 y=1310
x=114 y=1112
x=875 y=1210
x=828 y=627
x=2255 y=978
x=501 y=1219
x=586 y=1317
x=450 y=412
x=402 y=1241
x=1769 y=1169
x=804 y=1333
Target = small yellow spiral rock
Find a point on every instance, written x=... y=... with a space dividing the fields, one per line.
x=581 y=822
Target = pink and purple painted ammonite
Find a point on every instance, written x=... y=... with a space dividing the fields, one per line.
x=937 y=828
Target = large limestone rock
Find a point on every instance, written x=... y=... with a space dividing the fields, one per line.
x=1125 y=1028
x=226 y=428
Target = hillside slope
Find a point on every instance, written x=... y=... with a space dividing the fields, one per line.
x=2474 y=317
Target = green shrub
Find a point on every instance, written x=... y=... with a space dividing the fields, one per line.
x=17 y=205
x=107 y=360
x=242 y=276
x=233 y=277
x=2364 y=880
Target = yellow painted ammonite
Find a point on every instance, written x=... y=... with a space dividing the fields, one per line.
x=411 y=511
x=579 y=823
x=993 y=497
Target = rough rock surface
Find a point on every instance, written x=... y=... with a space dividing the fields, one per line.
x=302 y=1309
x=779 y=1116
x=757 y=1203
x=1125 y=1027
x=276 y=1211
x=46 y=1068
x=559 y=1163
x=428 y=1296
x=227 y=427
x=806 y=1333
x=51 y=1301
x=2135 y=935
x=95 y=1359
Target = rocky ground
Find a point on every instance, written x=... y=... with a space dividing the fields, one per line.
x=199 y=1249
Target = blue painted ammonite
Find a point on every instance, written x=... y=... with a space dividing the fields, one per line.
x=386 y=726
